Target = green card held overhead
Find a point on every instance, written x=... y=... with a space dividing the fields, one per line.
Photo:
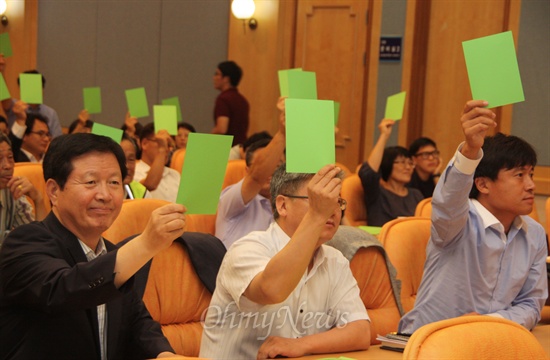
x=4 y=92
x=176 y=102
x=395 y=105
x=493 y=69
x=5 y=45
x=309 y=135
x=298 y=84
x=165 y=118
x=137 y=102
x=31 y=88
x=92 y=99
x=373 y=230
x=109 y=131
x=203 y=172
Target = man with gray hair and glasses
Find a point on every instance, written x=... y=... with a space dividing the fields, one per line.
x=280 y=292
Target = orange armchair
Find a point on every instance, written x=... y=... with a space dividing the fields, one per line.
x=235 y=172
x=405 y=241
x=176 y=162
x=424 y=208
x=33 y=171
x=352 y=191
x=473 y=337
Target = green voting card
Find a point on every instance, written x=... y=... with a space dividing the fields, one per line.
x=137 y=102
x=203 y=172
x=138 y=189
x=373 y=230
x=165 y=118
x=176 y=102
x=493 y=69
x=109 y=131
x=395 y=105
x=5 y=45
x=92 y=99
x=309 y=135
x=298 y=84
x=4 y=92
x=31 y=88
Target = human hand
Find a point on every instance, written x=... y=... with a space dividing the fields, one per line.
x=20 y=111
x=2 y=63
x=275 y=346
x=83 y=116
x=130 y=122
x=282 y=114
x=385 y=127
x=165 y=224
x=164 y=140
x=476 y=121
x=20 y=185
x=323 y=191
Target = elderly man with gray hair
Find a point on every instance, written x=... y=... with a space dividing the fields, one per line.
x=281 y=292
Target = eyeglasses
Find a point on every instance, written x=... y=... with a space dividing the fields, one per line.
x=404 y=162
x=42 y=133
x=342 y=202
x=427 y=154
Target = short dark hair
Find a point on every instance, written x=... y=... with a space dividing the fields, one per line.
x=252 y=149
x=64 y=149
x=147 y=131
x=231 y=69
x=390 y=154
x=502 y=152
x=34 y=71
x=87 y=124
x=187 y=126
x=420 y=143
x=255 y=137
x=31 y=119
x=4 y=138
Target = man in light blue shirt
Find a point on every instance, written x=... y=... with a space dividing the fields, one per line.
x=485 y=256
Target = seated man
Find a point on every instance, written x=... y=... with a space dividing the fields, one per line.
x=426 y=160
x=30 y=135
x=485 y=256
x=281 y=292
x=244 y=206
x=67 y=293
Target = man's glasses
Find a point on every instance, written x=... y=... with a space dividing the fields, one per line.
x=342 y=202
x=42 y=133
x=428 y=154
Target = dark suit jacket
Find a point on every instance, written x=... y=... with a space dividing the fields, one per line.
x=48 y=298
x=18 y=155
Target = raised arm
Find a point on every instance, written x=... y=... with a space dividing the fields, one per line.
x=222 y=123
x=6 y=103
x=375 y=156
x=476 y=121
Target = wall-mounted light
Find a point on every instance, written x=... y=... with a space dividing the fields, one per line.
x=244 y=10
x=3 y=17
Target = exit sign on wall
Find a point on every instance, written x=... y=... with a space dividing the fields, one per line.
x=390 y=48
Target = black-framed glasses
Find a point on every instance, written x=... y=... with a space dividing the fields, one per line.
x=42 y=133
x=427 y=154
x=342 y=202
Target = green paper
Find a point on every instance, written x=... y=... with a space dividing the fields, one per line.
x=31 y=88
x=5 y=45
x=137 y=102
x=283 y=80
x=309 y=135
x=4 y=92
x=109 y=131
x=138 y=189
x=493 y=69
x=165 y=119
x=395 y=105
x=373 y=230
x=92 y=99
x=203 y=172
x=176 y=102
x=336 y=112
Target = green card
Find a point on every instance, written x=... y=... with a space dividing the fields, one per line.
x=165 y=118
x=31 y=88
x=138 y=189
x=109 y=131
x=5 y=45
x=309 y=135
x=395 y=105
x=201 y=185
x=336 y=112
x=373 y=230
x=301 y=84
x=4 y=92
x=137 y=102
x=92 y=99
x=176 y=102
x=493 y=69
x=283 y=80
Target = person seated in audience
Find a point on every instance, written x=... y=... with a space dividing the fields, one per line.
x=244 y=206
x=485 y=256
x=67 y=293
x=29 y=135
x=154 y=153
x=132 y=128
x=184 y=129
x=384 y=177
x=4 y=127
x=426 y=164
x=15 y=209
x=238 y=151
x=281 y=292
x=82 y=124
x=133 y=189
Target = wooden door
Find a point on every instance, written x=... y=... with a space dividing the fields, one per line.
x=331 y=39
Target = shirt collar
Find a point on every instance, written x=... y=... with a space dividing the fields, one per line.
x=490 y=220
x=90 y=254
x=31 y=156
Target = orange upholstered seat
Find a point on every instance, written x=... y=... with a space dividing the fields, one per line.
x=352 y=191
x=235 y=172
x=176 y=162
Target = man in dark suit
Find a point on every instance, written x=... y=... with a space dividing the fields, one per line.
x=65 y=292
x=29 y=135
